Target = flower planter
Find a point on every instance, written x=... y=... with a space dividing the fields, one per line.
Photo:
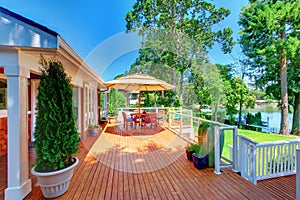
x=112 y=120
x=189 y=155
x=54 y=184
x=94 y=132
x=200 y=162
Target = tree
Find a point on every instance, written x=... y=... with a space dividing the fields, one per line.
x=179 y=30
x=237 y=94
x=56 y=137
x=269 y=37
x=112 y=107
x=294 y=88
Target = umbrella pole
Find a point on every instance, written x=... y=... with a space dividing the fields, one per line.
x=139 y=103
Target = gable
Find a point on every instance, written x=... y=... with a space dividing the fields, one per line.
x=16 y=30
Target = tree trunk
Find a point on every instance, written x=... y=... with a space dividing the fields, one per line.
x=181 y=86
x=240 y=113
x=296 y=115
x=174 y=83
x=284 y=125
x=284 y=95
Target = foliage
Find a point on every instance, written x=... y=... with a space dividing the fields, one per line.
x=94 y=126
x=200 y=151
x=192 y=147
x=270 y=38
x=120 y=100
x=237 y=94
x=112 y=107
x=181 y=32
x=208 y=88
x=253 y=120
x=168 y=98
x=56 y=137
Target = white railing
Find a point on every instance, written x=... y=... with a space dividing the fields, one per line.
x=184 y=124
x=258 y=161
x=129 y=110
x=228 y=162
x=181 y=122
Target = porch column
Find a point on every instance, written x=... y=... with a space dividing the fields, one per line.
x=18 y=182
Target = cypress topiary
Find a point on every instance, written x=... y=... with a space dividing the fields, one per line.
x=56 y=137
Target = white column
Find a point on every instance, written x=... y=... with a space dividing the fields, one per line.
x=298 y=175
x=217 y=150
x=18 y=182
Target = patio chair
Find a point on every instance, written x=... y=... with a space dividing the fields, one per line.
x=161 y=116
x=146 y=119
x=154 y=120
x=127 y=120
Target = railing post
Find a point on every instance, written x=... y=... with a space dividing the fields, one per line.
x=192 y=134
x=235 y=149
x=298 y=174
x=170 y=120
x=217 y=150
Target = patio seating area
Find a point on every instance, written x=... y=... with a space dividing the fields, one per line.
x=151 y=166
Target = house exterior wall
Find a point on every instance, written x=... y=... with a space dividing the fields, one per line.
x=21 y=43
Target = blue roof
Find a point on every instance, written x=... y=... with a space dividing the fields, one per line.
x=28 y=21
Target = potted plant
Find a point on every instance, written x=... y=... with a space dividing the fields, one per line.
x=103 y=122
x=189 y=150
x=200 y=157
x=56 y=137
x=94 y=129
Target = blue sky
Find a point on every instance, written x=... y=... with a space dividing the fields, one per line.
x=87 y=25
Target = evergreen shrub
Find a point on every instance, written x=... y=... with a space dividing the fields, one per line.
x=56 y=137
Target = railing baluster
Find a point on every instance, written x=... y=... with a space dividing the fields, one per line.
x=263 y=161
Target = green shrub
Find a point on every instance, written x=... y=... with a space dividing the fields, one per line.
x=94 y=126
x=56 y=137
x=200 y=151
x=192 y=147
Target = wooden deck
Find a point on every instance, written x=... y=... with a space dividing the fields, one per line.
x=148 y=165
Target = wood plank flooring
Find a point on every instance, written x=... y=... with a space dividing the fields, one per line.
x=152 y=166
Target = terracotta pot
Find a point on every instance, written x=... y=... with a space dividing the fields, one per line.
x=112 y=120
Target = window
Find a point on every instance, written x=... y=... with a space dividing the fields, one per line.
x=3 y=94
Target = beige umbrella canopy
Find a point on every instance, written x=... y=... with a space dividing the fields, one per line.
x=139 y=82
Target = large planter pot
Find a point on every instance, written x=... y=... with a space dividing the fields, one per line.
x=112 y=120
x=211 y=146
x=94 y=131
x=200 y=162
x=54 y=184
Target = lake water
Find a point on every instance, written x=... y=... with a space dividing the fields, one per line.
x=271 y=113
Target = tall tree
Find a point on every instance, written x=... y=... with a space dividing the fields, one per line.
x=268 y=37
x=181 y=25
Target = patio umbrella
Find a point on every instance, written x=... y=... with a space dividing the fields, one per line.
x=139 y=82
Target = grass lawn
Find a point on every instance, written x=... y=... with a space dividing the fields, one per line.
x=253 y=135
